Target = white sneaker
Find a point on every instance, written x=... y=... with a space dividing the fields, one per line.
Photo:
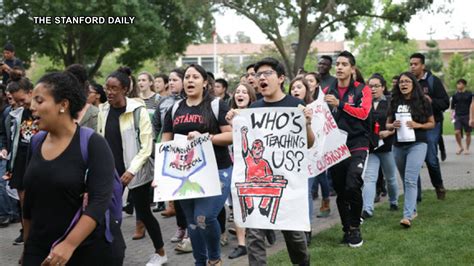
x=157 y=260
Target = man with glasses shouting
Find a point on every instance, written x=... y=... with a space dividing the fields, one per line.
x=270 y=76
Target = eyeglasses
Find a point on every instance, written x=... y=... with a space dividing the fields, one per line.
x=266 y=73
x=375 y=86
x=250 y=75
x=405 y=81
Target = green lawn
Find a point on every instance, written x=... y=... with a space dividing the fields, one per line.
x=442 y=234
x=448 y=126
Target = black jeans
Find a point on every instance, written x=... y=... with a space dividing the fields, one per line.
x=141 y=198
x=180 y=218
x=221 y=219
x=348 y=181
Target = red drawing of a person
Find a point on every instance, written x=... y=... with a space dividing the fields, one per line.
x=257 y=170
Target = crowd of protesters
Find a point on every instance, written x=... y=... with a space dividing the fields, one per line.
x=70 y=148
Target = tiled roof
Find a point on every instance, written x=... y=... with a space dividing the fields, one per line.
x=450 y=45
x=224 y=49
x=446 y=45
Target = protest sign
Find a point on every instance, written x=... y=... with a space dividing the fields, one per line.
x=329 y=146
x=270 y=177
x=186 y=169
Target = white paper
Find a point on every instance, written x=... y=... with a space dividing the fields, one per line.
x=404 y=133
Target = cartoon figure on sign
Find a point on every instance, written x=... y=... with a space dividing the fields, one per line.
x=260 y=182
x=182 y=165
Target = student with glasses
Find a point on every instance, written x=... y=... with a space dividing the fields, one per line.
x=408 y=97
x=382 y=154
x=270 y=75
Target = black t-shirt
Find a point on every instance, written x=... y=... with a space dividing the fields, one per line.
x=27 y=129
x=190 y=118
x=54 y=191
x=420 y=134
x=287 y=101
x=461 y=103
x=114 y=137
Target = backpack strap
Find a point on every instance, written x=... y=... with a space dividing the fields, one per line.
x=175 y=108
x=157 y=98
x=85 y=134
x=37 y=139
x=215 y=108
x=430 y=83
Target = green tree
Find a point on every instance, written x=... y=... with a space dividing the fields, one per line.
x=159 y=28
x=456 y=69
x=378 y=54
x=434 y=62
x=240 y=37
x=311 y=17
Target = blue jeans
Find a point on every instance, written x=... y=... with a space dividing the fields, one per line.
x=8 y=205
x=203 y=227
x=431 y=159
x=322 y=180
x=409 y=159
x=375 y=160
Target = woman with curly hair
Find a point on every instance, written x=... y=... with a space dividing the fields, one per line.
x=55 y=184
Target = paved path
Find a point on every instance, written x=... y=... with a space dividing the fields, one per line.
x=457 y=173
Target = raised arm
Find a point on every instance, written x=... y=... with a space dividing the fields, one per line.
x=245 y=146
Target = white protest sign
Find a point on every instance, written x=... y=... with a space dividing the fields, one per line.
x=270 y=177
x=186 y=169
x=330 y=143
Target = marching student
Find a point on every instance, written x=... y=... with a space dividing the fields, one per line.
x=350 y=102
x=436 y=94
x=379 y=155
x=408 y=97
x=244 y=96
x=131 y=149
x=201 y=213
x=460 y=104
x=175 y=85
x=54 y=183
x=270 y=76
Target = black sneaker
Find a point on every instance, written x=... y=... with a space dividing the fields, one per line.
x=345 y=238
x=377 y=198
x=19 y=239
x=365 y=215
x=128 y=209
x=355 y=238
x=393 y=207
x=238 y=252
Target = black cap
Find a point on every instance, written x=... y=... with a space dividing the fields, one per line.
x=9 y=47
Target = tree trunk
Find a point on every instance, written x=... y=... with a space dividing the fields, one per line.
x=301 y=52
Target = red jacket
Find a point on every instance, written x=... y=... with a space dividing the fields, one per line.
x=353 y=113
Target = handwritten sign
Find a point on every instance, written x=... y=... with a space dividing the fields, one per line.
x=269 y=181
x=185 y=169
x=330 y=142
